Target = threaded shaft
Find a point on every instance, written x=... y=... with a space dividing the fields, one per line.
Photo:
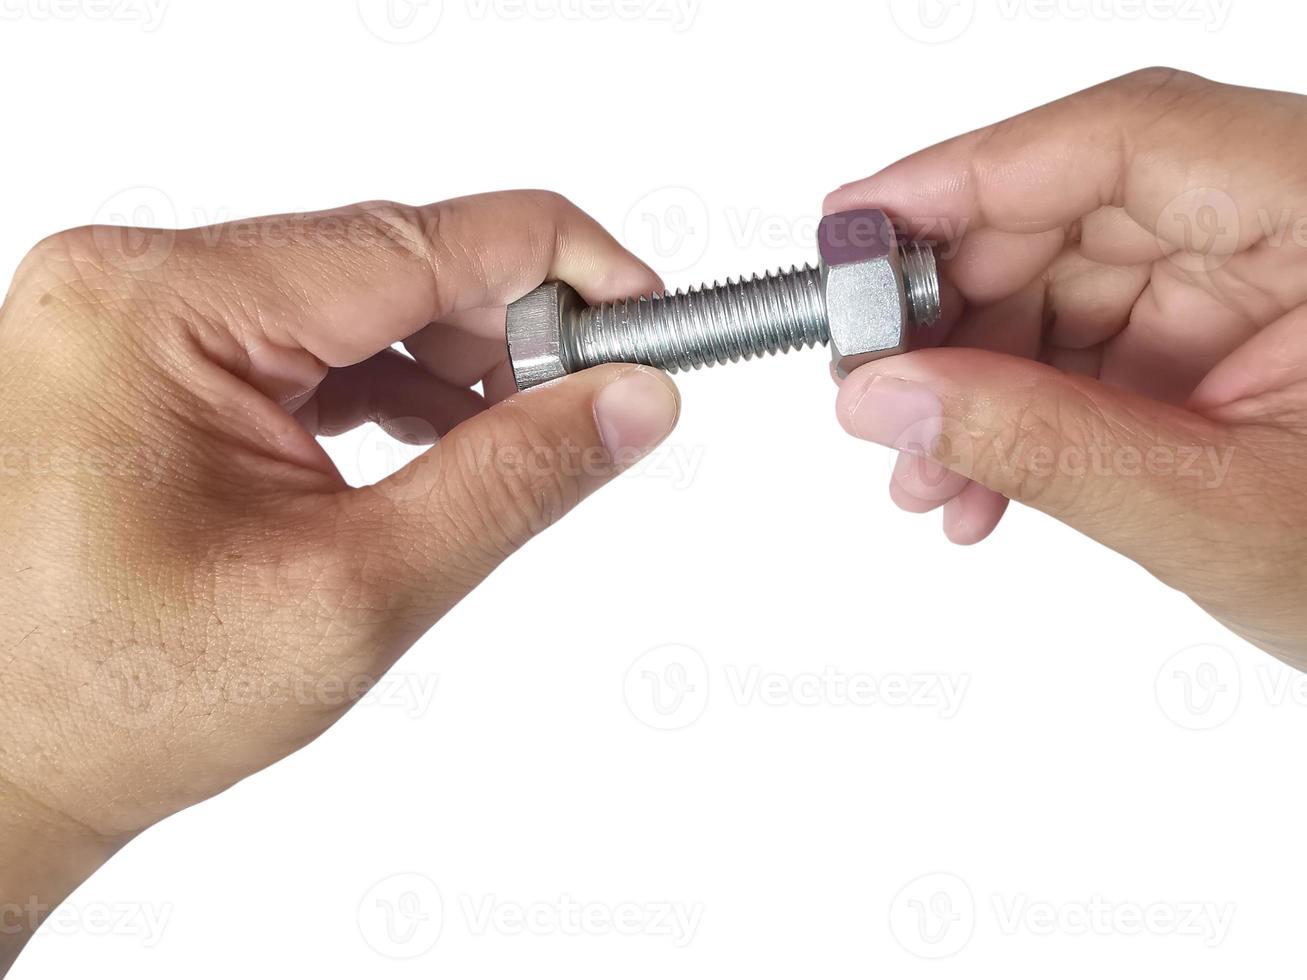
x=698 y=327
x=920 y=283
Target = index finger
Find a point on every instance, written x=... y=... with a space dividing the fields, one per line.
x=1135 y=142
x=347 y=283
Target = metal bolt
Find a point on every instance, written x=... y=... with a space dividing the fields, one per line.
x=863 y=298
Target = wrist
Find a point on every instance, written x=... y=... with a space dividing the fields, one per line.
x=44 y=856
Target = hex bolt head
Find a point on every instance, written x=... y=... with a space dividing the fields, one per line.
x=536 y=333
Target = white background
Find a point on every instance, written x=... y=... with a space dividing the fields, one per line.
x=625 y=718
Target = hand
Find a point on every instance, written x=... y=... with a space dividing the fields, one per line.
x=1126 y=275
x=191 y=591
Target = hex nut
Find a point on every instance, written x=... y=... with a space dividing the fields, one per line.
x=536 y=346
x=862 y=276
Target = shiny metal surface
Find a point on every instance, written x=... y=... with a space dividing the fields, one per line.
x=863 y=299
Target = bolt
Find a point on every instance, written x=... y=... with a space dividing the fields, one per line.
x=863 y=299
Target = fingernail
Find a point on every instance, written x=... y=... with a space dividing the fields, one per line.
x=635 y=413
x=901 y=414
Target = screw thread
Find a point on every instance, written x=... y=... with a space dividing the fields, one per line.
x=695 y=328
x=920 y=283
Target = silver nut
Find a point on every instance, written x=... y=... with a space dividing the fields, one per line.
x=866 y=300
x=536 y=345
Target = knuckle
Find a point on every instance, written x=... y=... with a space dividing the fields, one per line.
x=58 y=258
x=1171 y=85
x=411 y=230
x=1154 y=77
x=550 y=202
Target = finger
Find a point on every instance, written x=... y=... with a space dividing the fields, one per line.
x=1111 y=237
x=1089 y=302
x=973 y=514
x=1255 y=381
x=395 y=393
x=1013 y=325
x=1175 y=334
x=500 y=383
x=991 y=265
x=1132 y=473
x=920 y=485
x=457 y=355
x=347 y=283
x=1032 y=173
x=1128 y=143
x=448 y=519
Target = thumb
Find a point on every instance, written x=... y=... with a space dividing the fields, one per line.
x=444 y=522
x=1140 y=476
